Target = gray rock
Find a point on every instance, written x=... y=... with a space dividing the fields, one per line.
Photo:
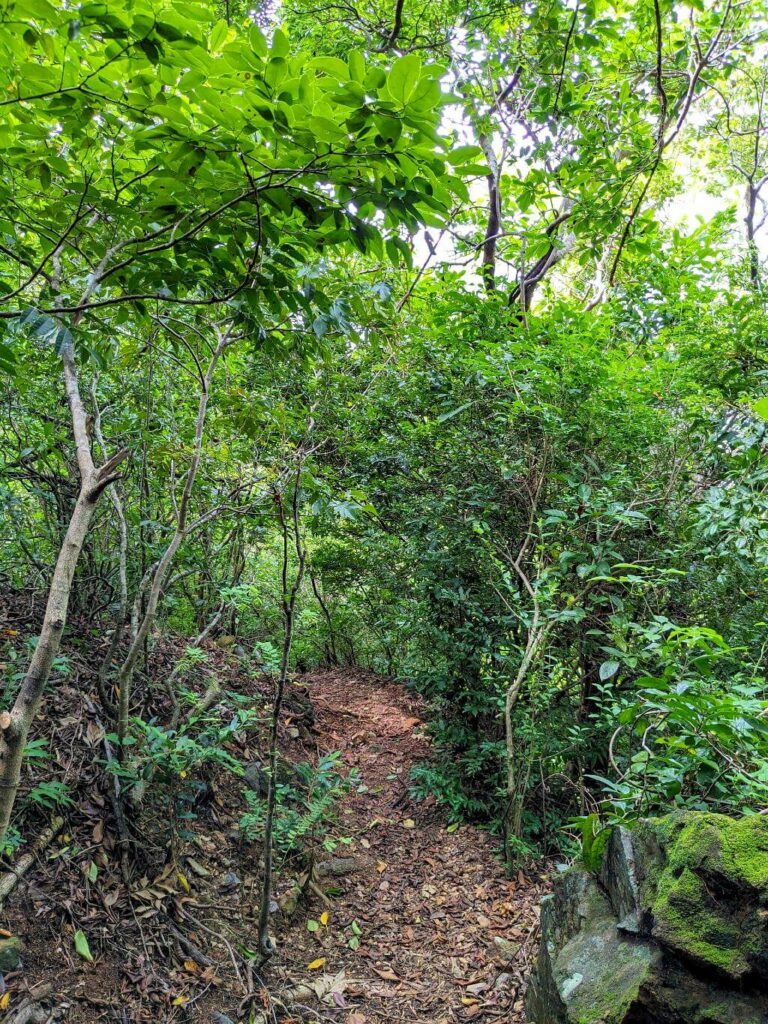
x=618 y=876
x=256 y=778
x=672 y=932
x=339 y=866
x=587 y=971
x=229 y=881
x=506 y=950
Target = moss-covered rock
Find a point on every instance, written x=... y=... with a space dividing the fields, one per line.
x=10 y=954
x=588 y=972
x=674 y=931
x=708 y=898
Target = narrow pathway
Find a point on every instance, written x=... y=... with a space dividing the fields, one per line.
x=426 y=928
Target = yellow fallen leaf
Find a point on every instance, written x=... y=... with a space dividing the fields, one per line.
x=184 y=883
x=180 y=1000
x=191 y=966
x=4 y=1000
x=409 y=823
x=466 y=1001
x=316 y=964
x=324 y=917
x=381 y=866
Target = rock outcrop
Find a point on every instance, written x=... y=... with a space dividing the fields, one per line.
x=673 y=929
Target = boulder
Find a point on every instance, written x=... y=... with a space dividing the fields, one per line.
x=673 y=929
x=588 y=970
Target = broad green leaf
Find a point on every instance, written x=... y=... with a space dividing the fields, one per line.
x=219 y=34
x=404 y=77
x=608 y=669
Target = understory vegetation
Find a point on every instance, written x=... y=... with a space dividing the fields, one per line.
x=426 y=340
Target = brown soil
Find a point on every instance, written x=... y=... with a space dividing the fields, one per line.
x=428 y=900
x=410 y=931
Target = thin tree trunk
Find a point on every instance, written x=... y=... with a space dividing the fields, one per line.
x=334 y=658
x=290 y=593
x=493 y=227
x=141 y=633
x=15 y=725
x=122 y=526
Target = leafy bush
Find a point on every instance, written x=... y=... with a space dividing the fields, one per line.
x=306 y=807
x=694 y=735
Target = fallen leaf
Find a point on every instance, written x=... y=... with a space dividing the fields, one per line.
x=381 y=866
x=324 y=918
x=197 y=868
x=316 y=964
x=387 y=974
x=5 y=998
x=180 y=1000
x=191 y=966
x=93 y=734
x=409 y=823
x=184 y=883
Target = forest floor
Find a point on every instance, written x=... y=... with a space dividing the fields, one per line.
x=419 y=922
x=429 y=900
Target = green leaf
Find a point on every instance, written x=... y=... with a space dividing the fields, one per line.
x=312 y=926
x=219 y=34
x=463 y=154
x=356 y=63
x=454 y=412
x=326 y=130
x=760 y=408
x=7 y=360
x=333 y=66
x=258 y=42
x=81 y=946
x=280 y=45
x=404 y=77
x=608 y=669
x=390 y=128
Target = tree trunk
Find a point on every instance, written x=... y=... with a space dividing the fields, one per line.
x=15 y=725
x=142 y=628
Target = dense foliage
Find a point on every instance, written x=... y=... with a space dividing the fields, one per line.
x=394 y=338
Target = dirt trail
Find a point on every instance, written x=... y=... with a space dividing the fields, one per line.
x=428 y=903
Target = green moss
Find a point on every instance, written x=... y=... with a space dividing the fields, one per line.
x=685 y=916
x=736 y=848
x=707 y=897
